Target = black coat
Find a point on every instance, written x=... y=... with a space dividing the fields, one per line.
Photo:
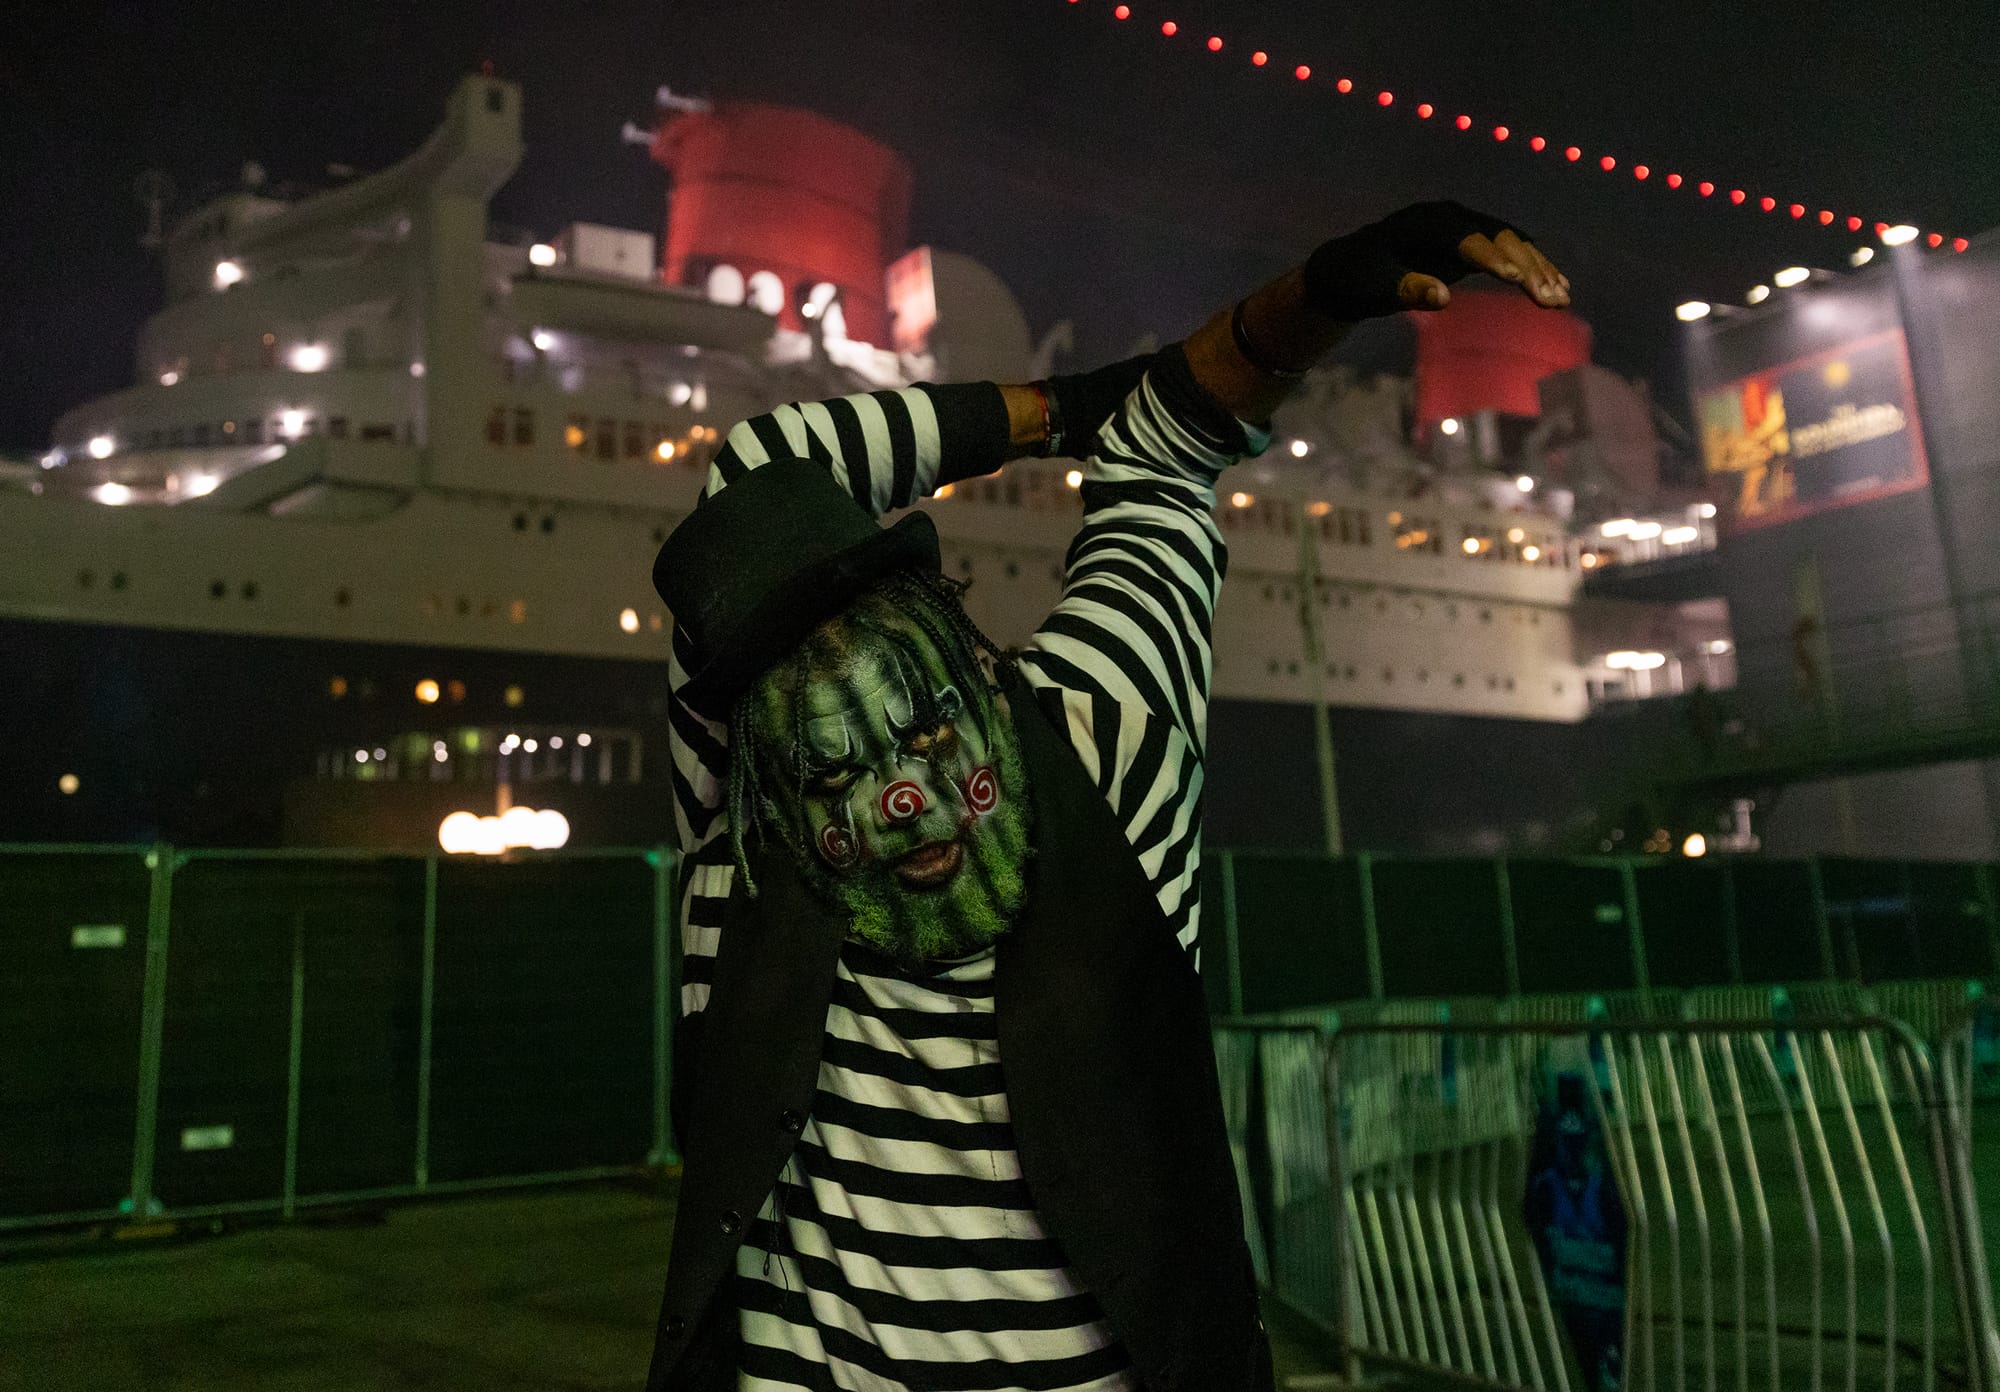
x=1111 y=1082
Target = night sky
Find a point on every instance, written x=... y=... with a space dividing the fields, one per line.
x=1109 y=175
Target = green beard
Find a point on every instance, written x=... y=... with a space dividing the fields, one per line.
x=966 y=915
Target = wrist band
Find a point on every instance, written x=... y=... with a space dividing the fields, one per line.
x=1250 y=353
x=1051 y=421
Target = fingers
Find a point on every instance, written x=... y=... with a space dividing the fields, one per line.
x=1419 y=291
x=1510 y=259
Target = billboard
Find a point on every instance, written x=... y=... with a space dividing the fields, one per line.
x=1838 y=427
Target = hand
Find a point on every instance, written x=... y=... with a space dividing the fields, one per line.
x=1408 y=260
x=1505 y=256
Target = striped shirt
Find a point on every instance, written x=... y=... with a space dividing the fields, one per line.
x=900 y=1248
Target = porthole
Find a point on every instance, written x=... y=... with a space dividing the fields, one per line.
x=117 y=579
x=217 y=589
x=548 y=525
x=85 y=579
x=520 y=521
x=344 y=597
x=249 y=589
x=1013 y=569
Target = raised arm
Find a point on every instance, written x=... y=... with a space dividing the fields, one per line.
x=1133 y=628
x=890 y=448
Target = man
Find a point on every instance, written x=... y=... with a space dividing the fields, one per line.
x=943 y=1076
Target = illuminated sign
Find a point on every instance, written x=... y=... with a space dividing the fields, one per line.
x=1836 y=428
x=912 y=299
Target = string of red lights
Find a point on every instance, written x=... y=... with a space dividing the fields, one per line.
x=1892 y=234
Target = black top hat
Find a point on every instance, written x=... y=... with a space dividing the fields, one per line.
x=758 y=566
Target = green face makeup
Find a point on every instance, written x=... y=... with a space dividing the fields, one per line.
x=898 y=780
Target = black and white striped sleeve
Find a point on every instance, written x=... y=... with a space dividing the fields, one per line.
x=887 y=448
x=1124 y=661
x=1143 y=574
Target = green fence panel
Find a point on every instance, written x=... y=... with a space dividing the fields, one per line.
x=1571 y=928
x=225 y=1049
x=1777 y=926
x=1903 y=920
x=1440 y=928
x=1954 y=923
x=1300 y=939
x=1687 y=910
x=73 y=945
x=542 y=1049
x=288 y=1058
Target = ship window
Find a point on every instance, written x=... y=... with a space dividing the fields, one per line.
x=336 y=426
x=577 y=432
x=378 y=430
x=217 y=589
x=496 y=426
x=253 y=432
x=524 y=427
x=635 y=440
x=607 y=439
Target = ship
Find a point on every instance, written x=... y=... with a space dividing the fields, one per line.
x=365 y=548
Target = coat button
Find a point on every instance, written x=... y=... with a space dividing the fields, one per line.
x=675 y=1326
x=792 y=1120
x=732 y=1222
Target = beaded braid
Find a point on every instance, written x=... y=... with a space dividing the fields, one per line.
x=936 y=605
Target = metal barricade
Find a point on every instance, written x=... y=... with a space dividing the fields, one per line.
x=1794 y=1201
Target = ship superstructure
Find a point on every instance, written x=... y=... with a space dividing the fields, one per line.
x=360 y=418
